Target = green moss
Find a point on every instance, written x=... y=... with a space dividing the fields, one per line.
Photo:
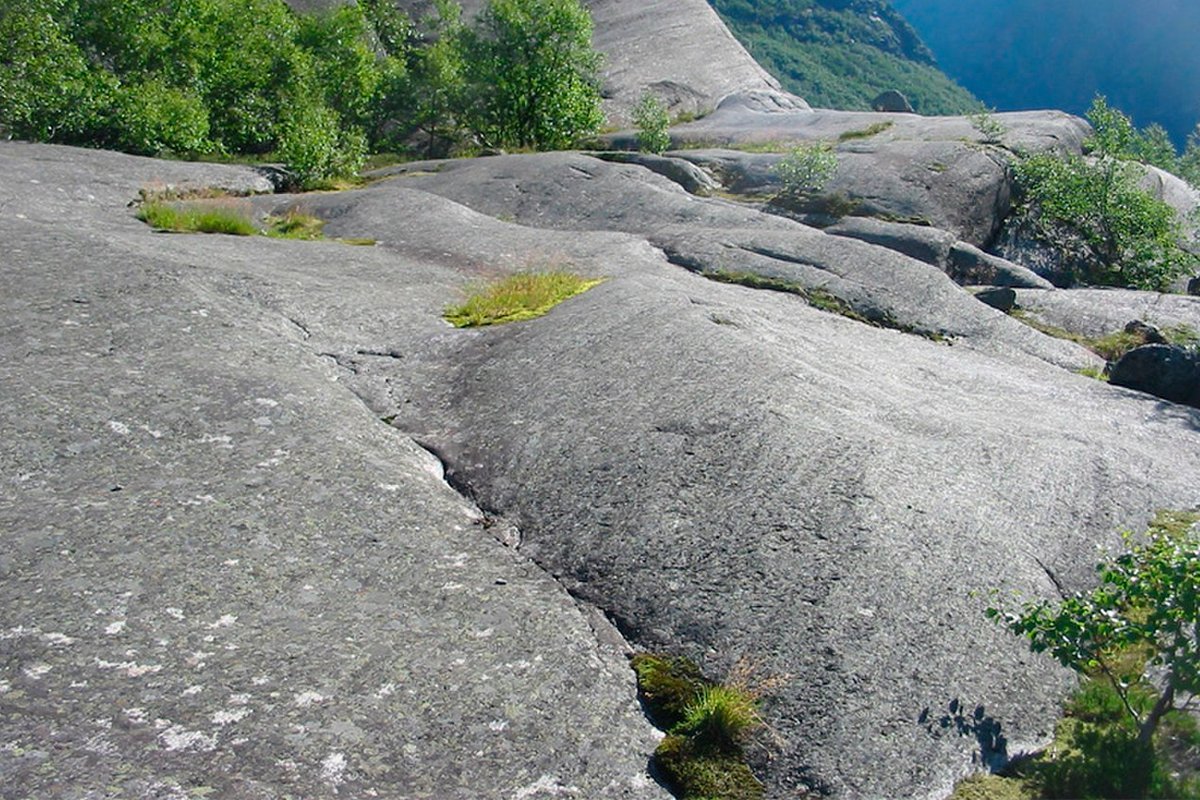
x=867 y=132
x=1111 y=346
x=518 y=297
x=209 y=218
x=666 y=687
x=995 y=787
x=696 y=772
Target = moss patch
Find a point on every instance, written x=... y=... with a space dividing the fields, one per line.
x=707 y=723
x=518 y=297
x=865 y=133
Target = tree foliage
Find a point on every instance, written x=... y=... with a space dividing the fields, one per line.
x=806 y=168
x=1147 y=602
x=531 y=74
x=315 y=90
x=1133 y=238
x=651 y=119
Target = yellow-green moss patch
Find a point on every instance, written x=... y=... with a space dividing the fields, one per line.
x=518 y=297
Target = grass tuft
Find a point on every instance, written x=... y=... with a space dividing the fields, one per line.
x=518 y=297
x=867 y=132
x=222 y=218
x=295 y=224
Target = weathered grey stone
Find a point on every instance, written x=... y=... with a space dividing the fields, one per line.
x=1000 y=298
x=931 y=245
x=724 y=471
x=220 y=572
x=572 y=192
x=693 y=179
x=892 y=101
x=1172 y=373
x=1099 y=312
x=971 y=266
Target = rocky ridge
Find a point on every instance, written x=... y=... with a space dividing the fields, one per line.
x=276 y=528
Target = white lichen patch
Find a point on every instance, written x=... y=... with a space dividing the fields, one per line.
x=497 y=725
x=57 y=639
x=177 y=737
x=131 y=669
x=239 y=699
x=226 y=621
x=306 y=699
x=37 y=671
x=137 y=716
x=546 y=786
x=198 y=500
x=228 y=717
x=18 y=632
x=115 y=628
x=192 y=690
x=389 y=487
x=225 y=442
x=387 y=690
x=261 y=680
x=5 y=687
x=173 y=613
x=153 y=433
x=119 y=428
x=231 y=562
x=333 y=769
x=266 y=402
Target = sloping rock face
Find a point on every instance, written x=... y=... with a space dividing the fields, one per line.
x=220 y=570
x=225 y=571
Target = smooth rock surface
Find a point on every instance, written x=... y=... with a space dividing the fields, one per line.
x=1099 y=312
x=208 y=517
x=221 y=571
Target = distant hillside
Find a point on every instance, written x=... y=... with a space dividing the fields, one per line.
x=843 y=53
x=1019 y=54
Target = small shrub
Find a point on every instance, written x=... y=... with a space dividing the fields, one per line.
x=197 y=219
x=1134 y=237
x=990 y=128
x=652 y=121
x=806 y=168
x=518 y=297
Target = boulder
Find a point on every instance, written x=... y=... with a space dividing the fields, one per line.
x=1172 y=373
x=690 y=177
x=1000 y=298
x=892 y=101
x=971 y=266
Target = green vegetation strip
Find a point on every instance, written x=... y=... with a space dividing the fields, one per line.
x=518 y=297
x=707 y=725
x=232 y=218
x=1113 y=345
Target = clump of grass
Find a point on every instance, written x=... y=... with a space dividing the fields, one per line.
x=867 y=132
x=708 y=725
x=518 y=297
x=295 y=224
x=215 y=218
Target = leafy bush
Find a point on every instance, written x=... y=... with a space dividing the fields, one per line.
x=1147 y=602
x=531 y=75
x=806 y=168
x=1133 y=236
x=152 y=117
x=652 y=121
x=988 y=126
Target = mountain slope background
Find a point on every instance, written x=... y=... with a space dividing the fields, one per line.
x=1021 y=54
x=843 y=53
